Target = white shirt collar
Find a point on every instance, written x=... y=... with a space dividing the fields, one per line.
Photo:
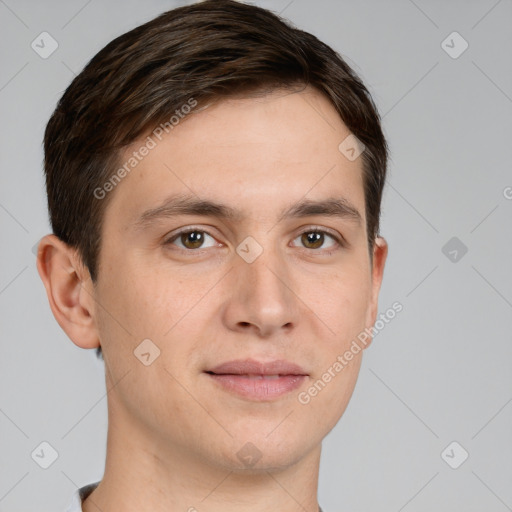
x=79 y=496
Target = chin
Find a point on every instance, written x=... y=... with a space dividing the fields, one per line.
x=260 y=452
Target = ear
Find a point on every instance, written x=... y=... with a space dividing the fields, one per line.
x=69 y=289
x=380 y=253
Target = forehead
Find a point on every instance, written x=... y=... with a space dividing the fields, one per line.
x=252 y=153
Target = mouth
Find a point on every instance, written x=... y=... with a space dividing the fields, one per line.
x=258 y=381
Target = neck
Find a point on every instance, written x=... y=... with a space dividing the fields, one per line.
x=143 y=472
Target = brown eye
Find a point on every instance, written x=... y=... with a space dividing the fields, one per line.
x=191 y=239
x=312 y=239
x=315 y=238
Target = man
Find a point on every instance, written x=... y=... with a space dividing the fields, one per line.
x=214 y=182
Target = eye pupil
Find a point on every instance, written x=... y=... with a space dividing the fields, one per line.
x=313 y=238
x=195 y=237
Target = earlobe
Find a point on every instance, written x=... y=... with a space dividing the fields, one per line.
x=69 y=290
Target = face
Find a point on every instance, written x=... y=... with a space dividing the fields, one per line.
x=247 y=302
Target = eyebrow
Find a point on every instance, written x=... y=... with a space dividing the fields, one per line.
x=189 y=205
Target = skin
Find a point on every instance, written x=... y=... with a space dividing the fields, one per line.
x=174 y=434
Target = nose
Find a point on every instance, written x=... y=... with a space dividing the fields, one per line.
x=263 y=300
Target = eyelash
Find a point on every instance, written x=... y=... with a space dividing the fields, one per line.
x=340 y=242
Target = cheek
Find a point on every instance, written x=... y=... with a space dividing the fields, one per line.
x=325 y=400
x=345 y=312
x=340 y=299
x=141 y=301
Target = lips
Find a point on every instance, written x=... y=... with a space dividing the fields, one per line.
x=258 y=381
x=252 y=367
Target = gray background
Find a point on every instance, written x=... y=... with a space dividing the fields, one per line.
x=439 y=372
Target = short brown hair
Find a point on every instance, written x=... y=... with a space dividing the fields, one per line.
x=208 y=51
